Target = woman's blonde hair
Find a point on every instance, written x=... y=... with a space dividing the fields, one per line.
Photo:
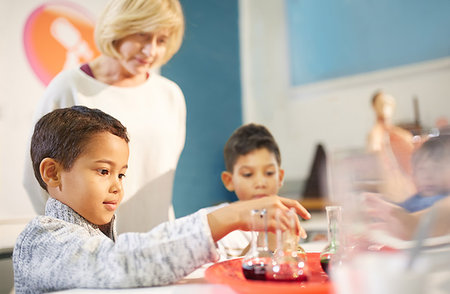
x=122 y=18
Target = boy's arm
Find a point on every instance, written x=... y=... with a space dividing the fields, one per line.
x=237 y=216
x=51 y=255
x=402 y=224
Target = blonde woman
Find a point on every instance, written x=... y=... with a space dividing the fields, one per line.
x=134 y=37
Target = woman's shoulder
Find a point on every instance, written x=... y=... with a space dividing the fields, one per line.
x=164 y=82
x=63 y=81
x=66 y=75
x=63 y=89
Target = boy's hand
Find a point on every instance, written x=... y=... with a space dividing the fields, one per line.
x=389 y=217
x=236 y=216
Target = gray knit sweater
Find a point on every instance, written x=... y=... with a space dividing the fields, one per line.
x=62 y=250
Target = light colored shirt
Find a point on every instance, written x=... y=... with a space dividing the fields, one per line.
x=235 y=244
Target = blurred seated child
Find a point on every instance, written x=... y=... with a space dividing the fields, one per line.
x=253 y=171
x=431 y=173
x=80 y=156
x=431 y=164
x=402 y=224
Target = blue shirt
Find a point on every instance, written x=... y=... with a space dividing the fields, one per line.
x=419 y=202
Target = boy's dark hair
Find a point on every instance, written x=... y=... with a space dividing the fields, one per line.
x=246 y=139
x=435 y=148
x=63 y=134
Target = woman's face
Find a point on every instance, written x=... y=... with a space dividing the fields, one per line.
x=142 y=51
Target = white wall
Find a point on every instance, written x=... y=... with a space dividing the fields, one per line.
x=336 y=113
x=21 y=90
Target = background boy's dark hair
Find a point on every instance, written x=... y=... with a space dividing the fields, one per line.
x=248 y=138
x=435 y=148
x=63 y=133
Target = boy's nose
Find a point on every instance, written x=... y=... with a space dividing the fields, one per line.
x=116 y=186
x=260 y=182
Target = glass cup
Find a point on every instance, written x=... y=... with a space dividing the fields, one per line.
x=255 y=262
x=289 y=259
x=328 y=254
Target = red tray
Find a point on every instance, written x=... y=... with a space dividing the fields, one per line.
x=229 y=272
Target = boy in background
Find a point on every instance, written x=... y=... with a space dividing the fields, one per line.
x=253 y=171
x=431 y=173
x=80 y=156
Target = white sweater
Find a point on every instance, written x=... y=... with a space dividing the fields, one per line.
x=154 y=114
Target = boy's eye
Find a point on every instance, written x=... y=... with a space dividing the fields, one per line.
x=270 y=173
x=246 y=175
x=121 y=176
x=104 y=172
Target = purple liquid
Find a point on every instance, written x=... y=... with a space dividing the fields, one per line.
x=254 y=272
x=286 y=273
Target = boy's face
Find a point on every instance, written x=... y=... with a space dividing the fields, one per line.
x=431 y=177
x=255 y=175
x=93 y=186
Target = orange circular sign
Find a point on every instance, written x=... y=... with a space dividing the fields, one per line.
x=58 y=36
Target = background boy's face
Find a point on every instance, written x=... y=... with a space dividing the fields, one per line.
x=93 y=186
x=431 y=177
x=255 y=175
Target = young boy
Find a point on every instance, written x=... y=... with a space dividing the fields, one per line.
x=80 y=156
x=253 y=171
x=431 y=173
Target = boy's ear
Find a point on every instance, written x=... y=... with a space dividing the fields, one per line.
x=227 y=180
x=280 y=177
x=49 y=169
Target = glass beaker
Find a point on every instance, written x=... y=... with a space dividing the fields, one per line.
x=289 y=259
x=329 y=252
x=254 y=263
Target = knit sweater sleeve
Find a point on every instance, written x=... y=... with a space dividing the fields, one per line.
x=55 y=255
